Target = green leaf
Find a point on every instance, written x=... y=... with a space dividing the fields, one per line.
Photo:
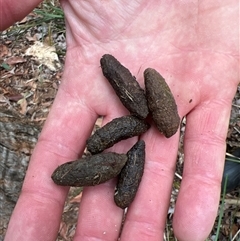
x=5 y=66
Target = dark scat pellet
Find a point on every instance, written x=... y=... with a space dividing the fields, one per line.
x=89 y=171
x=130 y=176
x=116 y=130
x=125 y=85
x=161 y=103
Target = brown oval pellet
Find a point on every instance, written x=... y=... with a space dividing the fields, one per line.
x=116 y=130
x=130 y=176
x=161 y=103
x=89 y=171
x=125 y=85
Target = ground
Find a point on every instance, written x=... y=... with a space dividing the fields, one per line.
x=28 y=86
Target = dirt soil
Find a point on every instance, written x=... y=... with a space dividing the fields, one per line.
x=29 y=87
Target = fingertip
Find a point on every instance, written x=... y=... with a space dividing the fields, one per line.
x=99 y=218
x=196 y=210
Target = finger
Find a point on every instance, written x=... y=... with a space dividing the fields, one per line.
x=38 y=211
x=204 y=148
x=97 y=203
x=12 y=11
x=146 y=216
x=99 y=217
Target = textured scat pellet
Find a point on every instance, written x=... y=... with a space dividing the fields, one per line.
x=130 y=176
x=161 y=103
x=116 y=130
x=125 y=85
x=89 y=171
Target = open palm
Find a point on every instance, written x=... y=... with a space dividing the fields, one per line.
x=195 y=47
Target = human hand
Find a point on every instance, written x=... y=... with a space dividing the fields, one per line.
x=195 y=48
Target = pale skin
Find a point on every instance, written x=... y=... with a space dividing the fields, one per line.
x=195 y=46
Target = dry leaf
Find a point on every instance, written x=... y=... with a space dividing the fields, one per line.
x=3 y=50
x=77 y=199
x=31 y=39
x=23 y=104
x=15 y=97
x=23 y=20
x=45 y=55
x=15 y=60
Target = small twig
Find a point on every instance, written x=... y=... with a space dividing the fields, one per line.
x=177 y=175
x=238 y=106
x=235 y=236
x=231 y=155
x=236 y=129
x=232 y=201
